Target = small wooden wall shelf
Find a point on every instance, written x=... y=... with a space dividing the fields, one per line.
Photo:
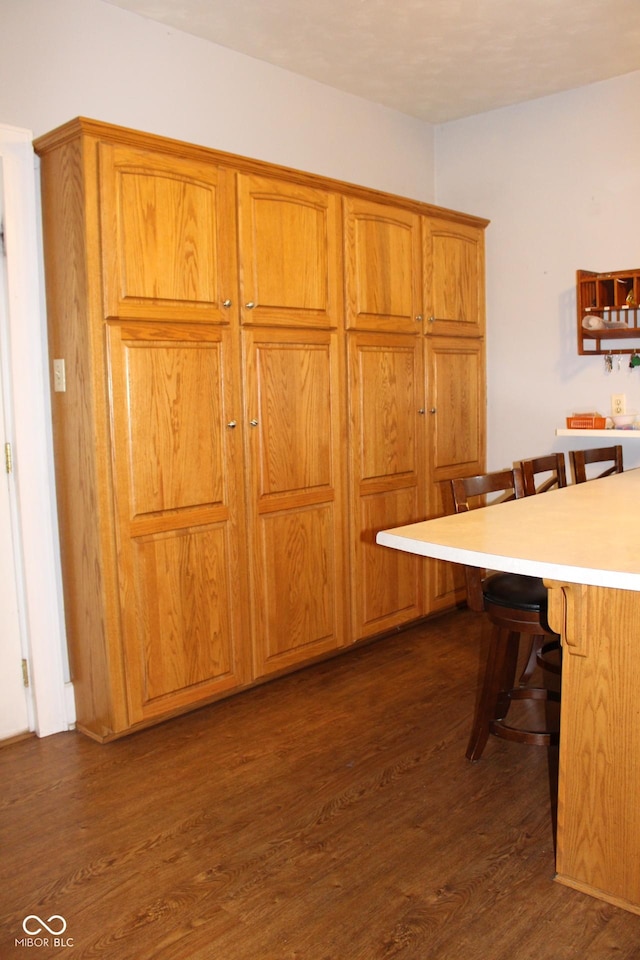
x=607 y=308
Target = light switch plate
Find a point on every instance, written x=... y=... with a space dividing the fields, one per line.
x=59 y=376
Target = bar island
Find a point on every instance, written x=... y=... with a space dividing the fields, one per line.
x=584 y=540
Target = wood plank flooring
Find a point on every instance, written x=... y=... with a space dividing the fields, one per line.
x=328 y=815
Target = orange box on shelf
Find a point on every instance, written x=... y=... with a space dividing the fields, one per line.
x=586 y=421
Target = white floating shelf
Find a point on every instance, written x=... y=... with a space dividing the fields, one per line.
x=624 y=434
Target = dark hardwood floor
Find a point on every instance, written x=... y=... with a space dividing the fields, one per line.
x=328 y=815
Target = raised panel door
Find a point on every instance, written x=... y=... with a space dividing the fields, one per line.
x=295 y=439
x=383 y=267
x=454 y=278
x=456 y=392
x=386 y=413
x=290 y=253
x=168 y=236
x=179 y=522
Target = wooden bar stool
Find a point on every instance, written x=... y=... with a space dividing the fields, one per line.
x=540 y=474
x=514 y=605
x=610 y=457
x=551 y=467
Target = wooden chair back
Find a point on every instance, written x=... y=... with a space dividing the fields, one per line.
x=610 y=457
x=469 y=493
x=552 y=466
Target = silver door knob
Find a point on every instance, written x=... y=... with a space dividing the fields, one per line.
x=419 y=318
x=232 y=424
x=226 y=303
x=250 y=305
x=421 y=411
x=433 y=410
x=254 y=423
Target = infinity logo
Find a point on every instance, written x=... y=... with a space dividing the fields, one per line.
x=45 y=924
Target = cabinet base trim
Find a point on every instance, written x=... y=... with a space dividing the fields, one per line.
x=598 y=894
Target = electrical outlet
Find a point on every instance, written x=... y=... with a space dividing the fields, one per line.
x=618 y=403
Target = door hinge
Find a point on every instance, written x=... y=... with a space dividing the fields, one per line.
x=25 y=672
x=8 y=458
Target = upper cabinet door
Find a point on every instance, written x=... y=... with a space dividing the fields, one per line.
x=168 y=237
x=454 y=278
x=383 y=267
x=457 y=407
x=290 y=254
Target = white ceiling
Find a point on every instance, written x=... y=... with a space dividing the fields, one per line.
x=437 y=60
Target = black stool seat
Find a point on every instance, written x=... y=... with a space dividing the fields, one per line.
x=516 y=590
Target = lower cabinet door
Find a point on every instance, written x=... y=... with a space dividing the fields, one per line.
x=295 y=437
x=177 y=459
x=387 y=477
x=456 y=390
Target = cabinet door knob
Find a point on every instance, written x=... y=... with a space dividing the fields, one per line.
x=250 y=305
x=254 y=423
x=421 y=411
x=419 y=318
x=433 y=410
x=226 y=303
x=232 y=424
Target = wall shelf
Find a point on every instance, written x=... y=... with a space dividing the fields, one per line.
x=611 y=302
x=609 y=434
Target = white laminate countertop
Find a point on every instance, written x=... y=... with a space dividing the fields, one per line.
x=586 y=533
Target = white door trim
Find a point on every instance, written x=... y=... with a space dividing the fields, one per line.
x=32 y=446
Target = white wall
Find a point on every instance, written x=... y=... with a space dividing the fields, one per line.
x=65 y=58
x=559 y=178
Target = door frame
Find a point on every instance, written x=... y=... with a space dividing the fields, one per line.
x=16 y=710
x=36 y=552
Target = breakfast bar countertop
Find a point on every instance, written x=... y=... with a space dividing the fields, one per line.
x=585 y=533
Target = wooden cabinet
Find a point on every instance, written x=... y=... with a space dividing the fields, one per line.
x=416 y=403
x=291 y=295
x=245 y=406
x=149 y=473
x=453 y=277
x=405 y=446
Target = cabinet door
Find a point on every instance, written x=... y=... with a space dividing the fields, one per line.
x=454 y=278
x=296 y=436
x=387 y=477
x=177 y=472
x=456 y=425
x=168 y=236
x=383 y=267
x=290 y=256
